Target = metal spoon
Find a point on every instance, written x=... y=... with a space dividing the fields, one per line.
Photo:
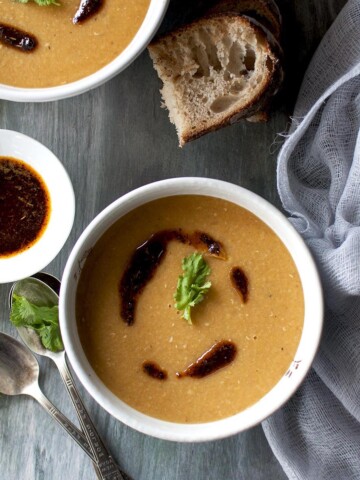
x=19 y=374
x=43 y=290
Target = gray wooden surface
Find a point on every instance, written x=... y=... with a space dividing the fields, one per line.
x=112 y=140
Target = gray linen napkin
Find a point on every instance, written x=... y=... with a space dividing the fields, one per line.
x=317 y=434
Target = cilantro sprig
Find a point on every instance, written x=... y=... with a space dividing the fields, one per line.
x=44 y=320
x=193 y=285
x=42 y=3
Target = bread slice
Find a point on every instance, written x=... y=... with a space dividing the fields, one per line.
x=265 y=12
x=216 y=71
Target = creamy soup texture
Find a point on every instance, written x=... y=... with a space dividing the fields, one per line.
x=66 y=52
x=266 y=329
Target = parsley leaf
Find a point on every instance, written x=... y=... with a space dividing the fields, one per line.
x=192 y=285
x=44 y=320
x=42 y=3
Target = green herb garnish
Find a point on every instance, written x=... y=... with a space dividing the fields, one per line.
x=42 y=3
x=44 y=320
x=192 y=285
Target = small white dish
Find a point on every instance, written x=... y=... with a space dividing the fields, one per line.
x=151 y=23
x=298 y=368
x=62 y=206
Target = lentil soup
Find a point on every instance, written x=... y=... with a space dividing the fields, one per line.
x=65 y=51
x=253 y=337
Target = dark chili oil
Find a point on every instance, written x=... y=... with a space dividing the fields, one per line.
x=218 y=356
x=153 y=370
x=24 y=206
x=204 y=241
x=87 y=9
x=146 y=259
x=16 y=38
x=240 y=282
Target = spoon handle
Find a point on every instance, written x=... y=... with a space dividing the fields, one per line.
x=78 y=436
x=105 y=463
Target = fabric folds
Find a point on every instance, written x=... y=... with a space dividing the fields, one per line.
x=316 y=435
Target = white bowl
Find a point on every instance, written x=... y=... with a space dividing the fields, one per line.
x=297 y=369
x=62 y=206
x=142 y=38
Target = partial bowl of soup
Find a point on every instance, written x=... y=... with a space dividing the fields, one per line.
x=191 y=309
x=71 y=46
x=37 y=206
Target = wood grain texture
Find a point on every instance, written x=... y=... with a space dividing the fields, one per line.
x=112 y=140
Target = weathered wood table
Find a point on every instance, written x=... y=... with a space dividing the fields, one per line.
x=112 y=140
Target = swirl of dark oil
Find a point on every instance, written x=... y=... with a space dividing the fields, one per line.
x=17 y=38
x=146 y=259
x=153 y=370
x=86 y=9
x=218 y=356
x=240 y=282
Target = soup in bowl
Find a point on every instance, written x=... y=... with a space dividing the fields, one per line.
x=191 y=309
x=60 y=50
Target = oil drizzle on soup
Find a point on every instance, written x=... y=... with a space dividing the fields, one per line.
x=87 y=8
x=146 y=259
x=218 y=356
x=17 y=38
x=240 y=282
x=154 y=370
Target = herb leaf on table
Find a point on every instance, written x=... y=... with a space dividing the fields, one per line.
x=44 y=320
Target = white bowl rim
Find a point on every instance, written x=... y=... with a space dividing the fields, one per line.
x=309 y=341
x=148 y=28
x=62 y=206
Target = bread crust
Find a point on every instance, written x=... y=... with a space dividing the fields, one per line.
x=258 y=102
x=267 y=13
x=264 y=11
x=262 y=100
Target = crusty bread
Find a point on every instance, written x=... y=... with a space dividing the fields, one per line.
x=267 y=13
x=264 y=11
x=216 y=71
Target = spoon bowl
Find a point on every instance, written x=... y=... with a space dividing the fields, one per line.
x=38 y=291
x=18 y=367
x=42 y=289
x=19 y=375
